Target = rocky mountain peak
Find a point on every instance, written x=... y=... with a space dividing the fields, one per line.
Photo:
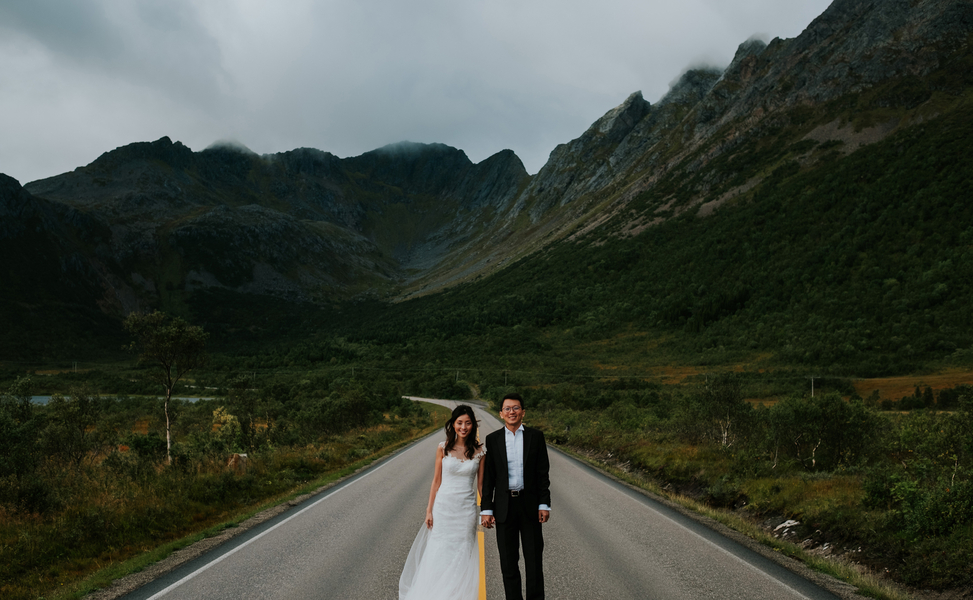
x=585 y=164
x=506 y=156
x=742 y=67
x=307 y=161
x=691 y=86
x=413 y=167
x=174 y=154
x=8 y=183
x=407 y=149
x=617 y=122
x=228 y=147
x=13 y=200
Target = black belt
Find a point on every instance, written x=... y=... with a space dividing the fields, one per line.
x=516 y=493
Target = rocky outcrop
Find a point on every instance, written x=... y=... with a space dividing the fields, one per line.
x=853 y=46
x=582 y=166
x=645 y=148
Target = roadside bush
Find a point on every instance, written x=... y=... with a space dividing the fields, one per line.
x=939 y=563
x=819 y=433
x=724 y=492
x=36 y=495
x=935 y=510
x=74 y=432
x=151 y=446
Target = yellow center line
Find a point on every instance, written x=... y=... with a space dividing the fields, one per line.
x=479 y=535
x=479 y=539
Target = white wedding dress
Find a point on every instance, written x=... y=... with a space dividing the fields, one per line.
x=444 y=562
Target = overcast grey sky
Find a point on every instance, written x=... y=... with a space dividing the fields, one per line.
x=78 y=78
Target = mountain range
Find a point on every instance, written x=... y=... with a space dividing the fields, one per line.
x=155 y=224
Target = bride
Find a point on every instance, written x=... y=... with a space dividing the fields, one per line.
x=444 y=561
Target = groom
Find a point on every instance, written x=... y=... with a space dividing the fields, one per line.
x=517 y=497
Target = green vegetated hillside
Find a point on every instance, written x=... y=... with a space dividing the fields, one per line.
x=857 y=264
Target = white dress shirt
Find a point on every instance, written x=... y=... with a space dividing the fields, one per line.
x=515 y=458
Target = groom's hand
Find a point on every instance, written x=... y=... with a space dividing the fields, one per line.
x=487 y=521
x=543 y=516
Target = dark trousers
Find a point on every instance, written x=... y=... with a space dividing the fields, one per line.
x=521 y=524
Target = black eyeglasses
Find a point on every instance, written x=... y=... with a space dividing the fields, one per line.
x=510 y=409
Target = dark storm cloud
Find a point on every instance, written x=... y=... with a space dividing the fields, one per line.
x=157 y=44
x=346 y=76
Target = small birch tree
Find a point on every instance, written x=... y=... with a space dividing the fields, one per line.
x=171 y=344
x=717 y=411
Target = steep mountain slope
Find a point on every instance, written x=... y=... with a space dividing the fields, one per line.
x=848 y=77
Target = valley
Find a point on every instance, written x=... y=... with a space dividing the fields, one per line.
x=664 y=290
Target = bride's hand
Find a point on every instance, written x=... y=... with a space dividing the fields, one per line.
x=429 y=520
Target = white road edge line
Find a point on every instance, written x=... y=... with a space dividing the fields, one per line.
x=699 y=535
x=257 y=537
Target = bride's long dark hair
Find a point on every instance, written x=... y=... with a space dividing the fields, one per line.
x=472 y=445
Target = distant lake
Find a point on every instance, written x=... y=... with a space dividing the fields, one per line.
x=46 y=399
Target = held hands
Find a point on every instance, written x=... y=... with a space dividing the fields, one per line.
x=487 y=521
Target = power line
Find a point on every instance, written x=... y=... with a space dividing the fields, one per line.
x=750 y=376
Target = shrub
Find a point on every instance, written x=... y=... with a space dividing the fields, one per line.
x=820 y=433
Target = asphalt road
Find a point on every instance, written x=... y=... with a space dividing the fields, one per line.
x=604 y=540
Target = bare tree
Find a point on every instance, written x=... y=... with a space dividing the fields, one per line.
x=171 y=344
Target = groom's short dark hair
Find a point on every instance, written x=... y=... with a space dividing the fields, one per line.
x=514 y=396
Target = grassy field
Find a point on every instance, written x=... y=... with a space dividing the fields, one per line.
x=112 y=513
x=899 y=387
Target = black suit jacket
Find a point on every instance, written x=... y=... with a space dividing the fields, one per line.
x=537 y=466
